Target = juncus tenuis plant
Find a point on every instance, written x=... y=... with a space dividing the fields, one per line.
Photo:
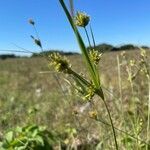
x=86 y=87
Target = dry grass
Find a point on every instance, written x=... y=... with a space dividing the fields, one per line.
x=26 y=87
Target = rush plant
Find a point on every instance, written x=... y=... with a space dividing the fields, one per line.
x=87 y=87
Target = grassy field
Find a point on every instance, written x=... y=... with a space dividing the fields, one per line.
x=31 y=92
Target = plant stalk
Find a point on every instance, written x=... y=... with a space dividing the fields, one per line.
x=99 y=92
x=92 y=36
x=86 y=32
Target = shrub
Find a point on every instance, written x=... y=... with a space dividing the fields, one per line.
x=27 y=138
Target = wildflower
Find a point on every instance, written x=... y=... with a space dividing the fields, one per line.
x=81 y=19
x=60 y=63
x=37 y=41
x=95 y=56
x=31 y=22
x=93 y=115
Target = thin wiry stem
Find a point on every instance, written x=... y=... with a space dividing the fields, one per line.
x=36 y=32
x=87 y=37
x=110 y=118
x=112 y=125
x=92 y=36
x=17 y=51
x=24 y=49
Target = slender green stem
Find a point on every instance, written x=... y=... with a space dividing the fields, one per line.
x=80 y=77
x=87 y=36
x=36 y=32
x=112 y=125
x=92 y=36
x=110 y=118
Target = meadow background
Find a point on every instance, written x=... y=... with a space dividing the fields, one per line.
x=31 y=92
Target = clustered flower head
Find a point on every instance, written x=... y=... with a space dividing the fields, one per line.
x=82 y=19
x=60 y=63
x=89 y=93
x=95 y=56
x=86 y=92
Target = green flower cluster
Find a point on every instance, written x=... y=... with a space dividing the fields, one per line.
x=60 y=63
x=95 y=56
x=81 y=19
x=90 y=92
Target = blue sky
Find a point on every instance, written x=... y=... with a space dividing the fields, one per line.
x=114 y=21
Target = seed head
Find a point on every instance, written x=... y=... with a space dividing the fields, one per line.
x=90 y=93
x=60 y=63
x=95 y=56
x=37 y=41
x=81 y=19
x=31 y=22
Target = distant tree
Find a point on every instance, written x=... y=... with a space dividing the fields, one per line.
x=47 y=53
x=5 y=56
x=102 y=47
x=145 y=47
x=125 y=47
